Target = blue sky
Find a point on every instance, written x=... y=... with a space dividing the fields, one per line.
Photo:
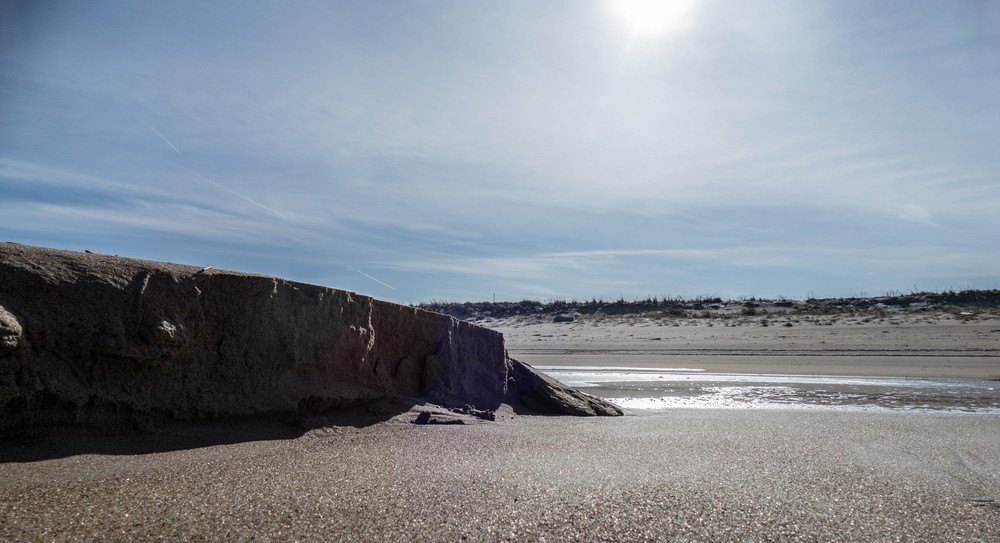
x=453 y=150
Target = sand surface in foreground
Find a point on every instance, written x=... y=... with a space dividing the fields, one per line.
x=703 y=475
x=683 y=475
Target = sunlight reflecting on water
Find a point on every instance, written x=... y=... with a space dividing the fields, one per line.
x=650 y=388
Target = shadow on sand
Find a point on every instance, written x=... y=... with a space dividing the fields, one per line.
x=62 y=442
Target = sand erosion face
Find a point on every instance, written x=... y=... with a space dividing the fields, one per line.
x=107 y=341
x=10 y=331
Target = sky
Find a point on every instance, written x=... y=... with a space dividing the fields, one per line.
x=421 y=151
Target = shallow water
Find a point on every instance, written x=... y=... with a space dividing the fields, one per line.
x=658 y=389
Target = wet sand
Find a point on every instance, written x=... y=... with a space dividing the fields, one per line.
x=679 y=474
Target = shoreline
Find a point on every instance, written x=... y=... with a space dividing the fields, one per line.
x=662 y=364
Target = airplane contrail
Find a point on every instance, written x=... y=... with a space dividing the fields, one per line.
x=372 y=278
x=143 y=121
x=162 y=137
x=227 y=189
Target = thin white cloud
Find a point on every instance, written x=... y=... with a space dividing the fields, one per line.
x=172 y=219
x=494 y=149
x=612 y=253
x=31 y=172
x=546 y=266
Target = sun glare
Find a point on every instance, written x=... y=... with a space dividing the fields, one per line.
x=654 y=17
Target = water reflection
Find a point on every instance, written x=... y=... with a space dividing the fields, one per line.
x=646 y=388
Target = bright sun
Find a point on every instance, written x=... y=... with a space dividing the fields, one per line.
x=654 y=17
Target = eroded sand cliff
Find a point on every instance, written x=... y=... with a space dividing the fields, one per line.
x=102 y=341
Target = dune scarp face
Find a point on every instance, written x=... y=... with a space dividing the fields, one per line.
x=100 y=340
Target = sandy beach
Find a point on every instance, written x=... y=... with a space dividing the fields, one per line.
x=670 y=474
x=907 y=346
x=712 y=475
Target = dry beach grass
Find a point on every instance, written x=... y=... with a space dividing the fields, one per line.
x=682 y=474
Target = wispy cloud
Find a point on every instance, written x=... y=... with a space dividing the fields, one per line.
x=553 y=265
x=450 y=148
x=18 y=170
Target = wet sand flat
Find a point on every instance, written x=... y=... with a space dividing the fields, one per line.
x=926 y=361
x=908 y=349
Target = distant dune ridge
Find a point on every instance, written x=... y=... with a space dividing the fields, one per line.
x=103 y=341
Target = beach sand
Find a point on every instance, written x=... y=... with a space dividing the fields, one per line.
x=678 y=474
x=907 y=346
